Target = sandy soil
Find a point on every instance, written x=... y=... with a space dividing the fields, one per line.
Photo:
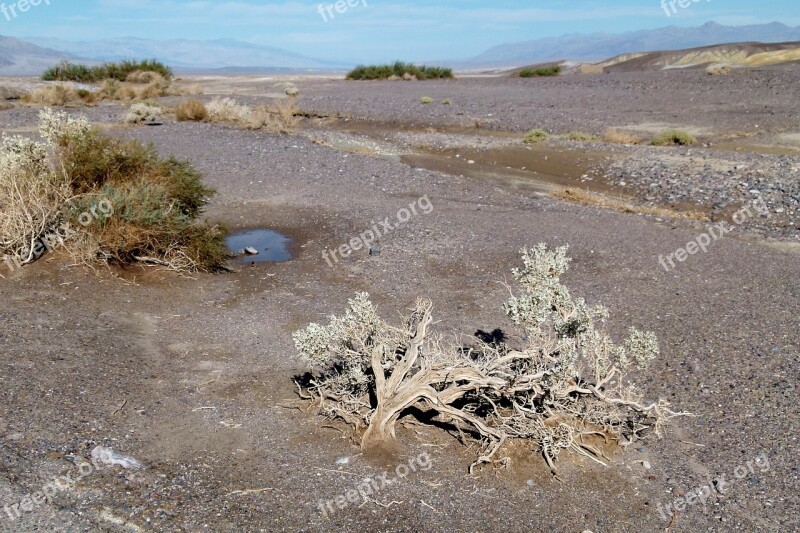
x=193 y=376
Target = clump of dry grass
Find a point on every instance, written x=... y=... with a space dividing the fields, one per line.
x=61 y=95
x=613 y=135
x=10 y=93
x=585 y=197
x=153 y=203
x=194 y=110
x=280 y=117
x=185 y=90
x=144 y=76
x=32 y=195
x=152 y=90
x=227 y=110
x=673 y=137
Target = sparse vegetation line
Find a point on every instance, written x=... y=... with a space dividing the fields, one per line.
x=398 y=70
x=121 y=71
x=540 y=72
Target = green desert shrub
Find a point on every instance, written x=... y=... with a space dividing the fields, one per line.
x=539 y=72
x=154 y=203
x=673 y=137
x=398 y=70
x=426 y=100
x=66 y=71
x=535 y=136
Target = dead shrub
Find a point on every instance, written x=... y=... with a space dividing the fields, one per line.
x=191 y=110
x=227 y=110
x=612 y=135
x=185 y=90
x=125 y=92
x=65 y=95
x=145 y=76
x=32 y=195
x=55 y=95
x=143 y=112
x=115 y=90
x=10 y=93
x=563 y=382
x=108 y=89
x=281 y=116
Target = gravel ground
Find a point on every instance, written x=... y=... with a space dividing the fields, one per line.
x=757 y=100
x=721 y=181
x=193 y=377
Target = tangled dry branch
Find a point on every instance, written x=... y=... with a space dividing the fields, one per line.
x=565 y=383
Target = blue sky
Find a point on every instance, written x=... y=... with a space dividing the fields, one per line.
x=379 y=30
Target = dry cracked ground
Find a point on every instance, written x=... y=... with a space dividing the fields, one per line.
x=193 y=376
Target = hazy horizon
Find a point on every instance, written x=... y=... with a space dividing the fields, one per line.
x=369 y=30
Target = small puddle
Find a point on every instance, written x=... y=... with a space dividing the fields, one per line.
x=270 y=245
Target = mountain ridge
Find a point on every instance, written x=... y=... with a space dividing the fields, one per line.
x=189 y=53
x=20 y=57
x=599 y=46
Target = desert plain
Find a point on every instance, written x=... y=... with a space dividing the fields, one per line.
x=194 y=375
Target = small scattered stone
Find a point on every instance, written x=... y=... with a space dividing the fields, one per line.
x=250 y=251
x=107 y=456
x=375 y=250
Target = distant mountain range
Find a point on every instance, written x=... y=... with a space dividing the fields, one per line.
x=189 y=54
x=18 y=57
x=600 y=46
x=22 y=58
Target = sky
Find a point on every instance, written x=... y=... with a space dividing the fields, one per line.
x=373 y=30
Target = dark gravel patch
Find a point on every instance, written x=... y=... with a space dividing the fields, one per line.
x=723 y=182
